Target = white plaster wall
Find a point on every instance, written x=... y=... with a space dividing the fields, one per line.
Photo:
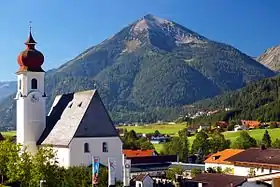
x=62 y=156
x=148 y=182
x=31 y=117
x=79 y=157
x=26 y=78
x=244 y=171
x=138 y=184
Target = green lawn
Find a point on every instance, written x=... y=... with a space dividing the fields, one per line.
x=162 y=128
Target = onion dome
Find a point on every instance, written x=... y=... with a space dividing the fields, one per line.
x=30 y=59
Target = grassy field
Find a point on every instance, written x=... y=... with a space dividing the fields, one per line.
x=173 y=129
x=9 y=133
x=162 y=128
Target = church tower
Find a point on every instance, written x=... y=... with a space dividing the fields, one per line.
x=30 y=98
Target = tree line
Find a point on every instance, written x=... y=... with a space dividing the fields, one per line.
x=20 y=168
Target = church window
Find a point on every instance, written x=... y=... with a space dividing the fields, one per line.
x=80 y=104
x=105 y=147
x=70 y=105
x=19 y=84
x=34 y=84
x=86 y=148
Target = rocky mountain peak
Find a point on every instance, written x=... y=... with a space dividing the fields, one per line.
x=271 y=58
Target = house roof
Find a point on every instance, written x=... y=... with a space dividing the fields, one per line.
x=135 y=153
x=221 y=180
x=220 y=157
x=249 y=123
x=257 y=157
x=141 y=177
x=80 y=114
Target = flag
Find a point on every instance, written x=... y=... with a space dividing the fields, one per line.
x=95 y=169
x=112 y=171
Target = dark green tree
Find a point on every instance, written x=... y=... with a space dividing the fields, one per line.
x=218 y=142
x=244 y=141
x=178 y=145
x=201 y=143
x=266 y=140
x=276 y=143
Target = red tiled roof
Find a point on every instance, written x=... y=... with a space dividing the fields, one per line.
x=138 y=153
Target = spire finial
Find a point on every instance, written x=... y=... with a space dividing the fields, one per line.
x=30 y=26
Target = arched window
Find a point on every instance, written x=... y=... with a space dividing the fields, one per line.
x=86 y=148
x=104 y=147
x=34 y=84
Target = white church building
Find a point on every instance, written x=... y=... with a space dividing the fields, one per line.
x=77 y=126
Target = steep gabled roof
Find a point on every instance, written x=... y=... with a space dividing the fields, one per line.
x=80 y=114
x=221 y=156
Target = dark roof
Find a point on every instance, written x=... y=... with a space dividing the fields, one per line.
x=221 y=180
x=80 y=114
x=30 y=39
x=153 y=159
x=257 y=156
x=150 y=167
x=140 y=177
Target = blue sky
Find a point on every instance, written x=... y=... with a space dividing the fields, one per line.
x=65 y=28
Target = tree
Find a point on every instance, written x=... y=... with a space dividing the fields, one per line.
x=276 y=143
x=201 y=143
x=218 y=142
x=177 y=145
x=244 y=141
x=156 y=133
x=20 y=166
x=8 y=151
x=195 y=171
x=44 y=167
x=171 y=172
x=266 y=140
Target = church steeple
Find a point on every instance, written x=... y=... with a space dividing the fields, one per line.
x=30 y=59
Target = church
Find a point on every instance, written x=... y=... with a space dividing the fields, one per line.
x=77 y=126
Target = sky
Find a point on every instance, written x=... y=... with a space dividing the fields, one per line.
x=65 y=28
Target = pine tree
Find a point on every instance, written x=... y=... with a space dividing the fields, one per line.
x=266 y=140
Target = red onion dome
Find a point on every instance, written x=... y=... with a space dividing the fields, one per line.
x=30 y=59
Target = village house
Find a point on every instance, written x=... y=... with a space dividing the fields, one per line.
x=256 y=161
x=219 y=159
x=249 y=124
x=222 y=124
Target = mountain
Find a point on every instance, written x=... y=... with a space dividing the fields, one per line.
x=7 y=88
x=271 y=58
x=257 y=101
x=149 y=70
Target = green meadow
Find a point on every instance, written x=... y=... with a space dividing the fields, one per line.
x=172 y=129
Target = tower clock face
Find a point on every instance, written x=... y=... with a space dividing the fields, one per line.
x=34 y=98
